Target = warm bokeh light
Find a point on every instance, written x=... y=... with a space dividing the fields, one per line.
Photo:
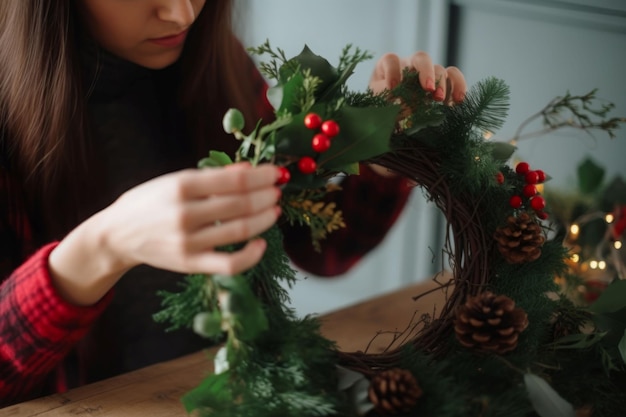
x=617 y=244
x=609 y=218
x=574 y=229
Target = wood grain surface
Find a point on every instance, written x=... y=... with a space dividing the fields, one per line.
x=155 y=391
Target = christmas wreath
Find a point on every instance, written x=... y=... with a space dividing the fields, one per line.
x=507 y=342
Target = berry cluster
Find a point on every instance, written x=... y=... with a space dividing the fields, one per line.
x=529 y=190
x=327 y=129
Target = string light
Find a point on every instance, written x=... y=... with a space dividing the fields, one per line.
x=593 y=264
x=575 y=257
x=601 y=265
x=617 y=244
x=574 y=230
x=609 y=218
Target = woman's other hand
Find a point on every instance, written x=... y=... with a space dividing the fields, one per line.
x=446 y=84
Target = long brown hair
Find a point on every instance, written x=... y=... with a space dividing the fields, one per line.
x=42 y=102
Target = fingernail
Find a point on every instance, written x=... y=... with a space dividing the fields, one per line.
x=439 y=95
x=430 y=85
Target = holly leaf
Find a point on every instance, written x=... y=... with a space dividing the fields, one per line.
x=319 y=67
x=590 y=176
x=364 y=134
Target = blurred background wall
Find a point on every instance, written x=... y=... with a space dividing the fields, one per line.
x=540 y=48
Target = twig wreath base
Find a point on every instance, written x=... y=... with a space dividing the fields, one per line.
x=499 y=336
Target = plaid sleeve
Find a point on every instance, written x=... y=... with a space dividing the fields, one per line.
x=37 y=327
x=370 y=204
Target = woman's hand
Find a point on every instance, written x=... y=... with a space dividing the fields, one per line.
x=173 y=222
x=446 y=84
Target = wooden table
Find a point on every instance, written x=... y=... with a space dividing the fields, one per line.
x=155 y=390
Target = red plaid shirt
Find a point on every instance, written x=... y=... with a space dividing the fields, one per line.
x=38 y=328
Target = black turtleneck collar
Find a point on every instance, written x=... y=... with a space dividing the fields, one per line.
x=106 y=76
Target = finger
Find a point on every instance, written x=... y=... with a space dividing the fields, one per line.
x=228 y=263
x=207 y=211
x=457 y=86
x=233 y=231
x=441 y=82
x=424 y=66
x=387 y=74
x=202 y=183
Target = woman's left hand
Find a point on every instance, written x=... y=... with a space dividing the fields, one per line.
x=446 y=84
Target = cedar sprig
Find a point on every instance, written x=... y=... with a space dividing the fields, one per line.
x=278 y=58
x=308 y=208
x=350 y=57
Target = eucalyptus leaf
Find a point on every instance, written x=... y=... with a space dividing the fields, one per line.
x=545 y=400
x=502 y=151
x=590 y=176
x=578 y=340
x=215 y=159
x=213 y=392
x=233 y=121
x=622 y=347
x=208 y=324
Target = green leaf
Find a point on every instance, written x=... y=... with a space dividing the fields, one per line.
x=622 y=347
x=319 y=66
x=208 y=324
x=364 y=134
x=502 y=151
x=233 y=121
x=545 y=400
x=612 y=299
x=242 y=307
x=215 y=159
x=590 y=176
x=578 y=341
x=213 y=393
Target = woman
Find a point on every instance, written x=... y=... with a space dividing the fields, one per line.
x=104 y=106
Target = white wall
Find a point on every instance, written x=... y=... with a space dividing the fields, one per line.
x=541 y=48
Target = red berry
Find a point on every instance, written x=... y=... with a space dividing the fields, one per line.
x=515 y=201
x=284 y=176
x=531 y=177
x=330 y=128
x=312 y=121
x=307 y=165
x=320 y=142
x=500 y=178
x=541 y=176
x=529 y=190
x=522 y=168
x=537 y=203
x=542 y=215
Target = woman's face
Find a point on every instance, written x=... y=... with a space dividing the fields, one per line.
x=150 y=33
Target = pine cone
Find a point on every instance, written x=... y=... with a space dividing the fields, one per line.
x=490 y=322
x=394 y=391
x=520 y=240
